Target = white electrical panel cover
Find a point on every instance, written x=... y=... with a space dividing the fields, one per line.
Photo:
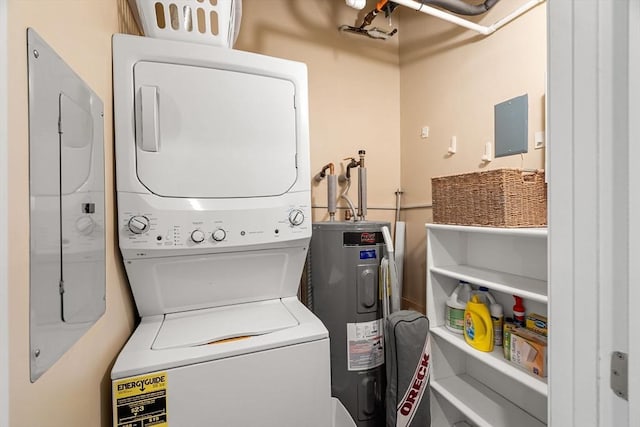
x=66 y=200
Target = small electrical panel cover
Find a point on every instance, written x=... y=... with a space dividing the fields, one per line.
x=511 y=120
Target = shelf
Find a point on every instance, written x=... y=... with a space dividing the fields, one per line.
x=486 y=389
x=481 y=405
x=525 y=287
x=494 y=359
x=524 y=232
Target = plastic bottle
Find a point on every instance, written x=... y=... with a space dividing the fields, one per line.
x=497 y=319
x=506 y=337
x=518 y=312
x=478 y=329
x=455 y=305
x=485 y=296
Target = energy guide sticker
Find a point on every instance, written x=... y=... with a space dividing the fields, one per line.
x=365 y=345
x=141 y=401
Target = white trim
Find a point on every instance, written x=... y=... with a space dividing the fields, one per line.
x=574 y=212
x=593 y=209
x=634 y=211
x=613 y=221
x=4 y=208
x=561 y=232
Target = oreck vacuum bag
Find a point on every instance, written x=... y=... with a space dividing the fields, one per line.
x=408 y=358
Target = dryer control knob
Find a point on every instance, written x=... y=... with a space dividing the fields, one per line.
x=139 y=224
x=85 y=225
x=219 y=235
x=197 y=236
x=296 y=217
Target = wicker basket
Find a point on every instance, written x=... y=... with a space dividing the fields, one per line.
x=495 y=198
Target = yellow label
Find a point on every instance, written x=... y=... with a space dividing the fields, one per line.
x=537 y=323
x=140 y=401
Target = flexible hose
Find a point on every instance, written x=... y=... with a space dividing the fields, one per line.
x=344 y=196
x=309 y=301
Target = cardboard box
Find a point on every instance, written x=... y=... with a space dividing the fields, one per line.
x=537 y=323
x=529 y=351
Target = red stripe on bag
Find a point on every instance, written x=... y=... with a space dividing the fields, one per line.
x=413 y=396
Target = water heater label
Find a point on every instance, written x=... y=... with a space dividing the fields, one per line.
x=141 y=401
x=362 y=238
x=368 y=254
x=365 y=345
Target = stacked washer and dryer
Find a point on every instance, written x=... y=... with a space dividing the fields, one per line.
x=214 y=224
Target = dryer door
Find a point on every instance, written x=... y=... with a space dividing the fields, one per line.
x=209 y=133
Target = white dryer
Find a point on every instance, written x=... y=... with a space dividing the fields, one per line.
x=214 y=223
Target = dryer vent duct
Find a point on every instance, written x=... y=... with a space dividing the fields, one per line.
x=386 y=6
x=462 y=8
x=447 y=10
x=455 y=6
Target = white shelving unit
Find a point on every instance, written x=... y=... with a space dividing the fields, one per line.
x=466 y=384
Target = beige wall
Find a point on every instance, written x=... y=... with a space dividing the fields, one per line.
x=354 y=90
x=76 y=390
x=450 y=81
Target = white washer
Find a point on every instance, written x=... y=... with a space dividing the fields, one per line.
x=214 y=218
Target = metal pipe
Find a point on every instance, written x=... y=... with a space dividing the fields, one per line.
x=323 y=171
x=516 y=13
x=362 y=194
x=462 y=8
x=362 y=187
x=373 y=208
x=484 y=30
x=332 y=184
x=398 y=196
x=368 y=19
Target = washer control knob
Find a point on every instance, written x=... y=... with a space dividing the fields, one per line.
x=197 y=236
x=219 y=235
x=296 y=217
x=139 y=224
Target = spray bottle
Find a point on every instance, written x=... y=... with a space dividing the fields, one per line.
x=518 y=312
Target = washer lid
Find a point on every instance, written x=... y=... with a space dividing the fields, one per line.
x=211 y=133
x=202 y=327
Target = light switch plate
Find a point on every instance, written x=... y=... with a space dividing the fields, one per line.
x=538 y=140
